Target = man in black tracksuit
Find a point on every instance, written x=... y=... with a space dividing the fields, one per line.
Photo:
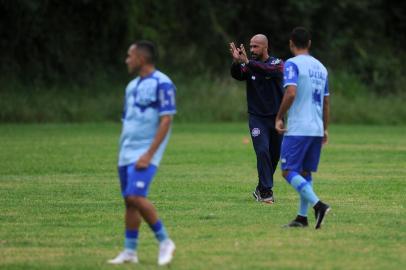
x=264 y=77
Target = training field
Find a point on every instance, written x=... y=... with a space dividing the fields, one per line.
x=60 y=205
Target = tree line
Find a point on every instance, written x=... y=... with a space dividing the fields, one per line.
x=53 y=41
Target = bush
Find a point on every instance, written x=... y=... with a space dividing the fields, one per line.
x=203 y=98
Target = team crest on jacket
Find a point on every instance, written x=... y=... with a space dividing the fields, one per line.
x=255 y=132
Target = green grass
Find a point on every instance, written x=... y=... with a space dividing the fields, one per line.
x=61 y=208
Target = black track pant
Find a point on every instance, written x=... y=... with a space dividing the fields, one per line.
x=267 y=145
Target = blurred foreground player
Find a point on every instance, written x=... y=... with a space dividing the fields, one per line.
x=147 y=117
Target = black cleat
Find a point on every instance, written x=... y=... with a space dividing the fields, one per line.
x=298 y=222
x=320 y=210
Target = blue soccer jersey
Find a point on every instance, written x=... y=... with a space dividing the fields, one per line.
x=146 y=99
x=305 y=116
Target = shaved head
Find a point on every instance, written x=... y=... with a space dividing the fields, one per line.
x=259 y=47
x=260 y=38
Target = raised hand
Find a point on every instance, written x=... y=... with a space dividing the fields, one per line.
x=243 y=55
x=235 y=53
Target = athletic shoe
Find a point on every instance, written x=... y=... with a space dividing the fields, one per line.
x=125 y=257
x=257 y=195
x=320 y=210
x=166 y=251
x=298 y=222
x=265 y=196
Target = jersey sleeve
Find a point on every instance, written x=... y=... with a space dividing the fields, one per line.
x=166 y=98
x=326 y=90
x=290 y=74
x=273 y=68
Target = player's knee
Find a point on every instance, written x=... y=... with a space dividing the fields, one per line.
x=129 y=203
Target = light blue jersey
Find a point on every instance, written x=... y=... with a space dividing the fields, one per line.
x=146 y=99
x=305 y=116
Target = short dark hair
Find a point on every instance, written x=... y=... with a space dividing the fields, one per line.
x=148 y=49
x=300 y=37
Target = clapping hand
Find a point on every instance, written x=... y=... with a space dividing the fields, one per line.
x=243 y=55
x=235 y=53
x=239 y=54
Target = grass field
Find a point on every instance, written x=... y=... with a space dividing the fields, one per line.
x=60 y=206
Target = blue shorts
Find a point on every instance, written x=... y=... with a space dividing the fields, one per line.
x=135 y=182
x=300 y=153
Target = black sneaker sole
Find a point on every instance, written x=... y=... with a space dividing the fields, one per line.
x=268 y=200
x=295 y=224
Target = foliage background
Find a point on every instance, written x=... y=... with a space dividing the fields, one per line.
x=63 y=60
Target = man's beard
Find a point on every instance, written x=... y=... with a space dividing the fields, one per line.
x=255 y=56
x=134 y=70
